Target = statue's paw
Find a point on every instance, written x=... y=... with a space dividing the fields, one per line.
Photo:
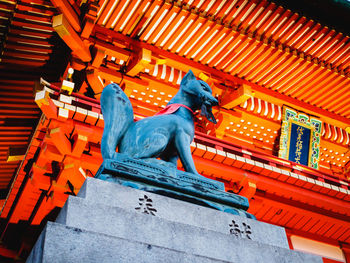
x=120 y=156
x=195 y=174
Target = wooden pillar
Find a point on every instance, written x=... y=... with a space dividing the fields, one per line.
x=346 y=251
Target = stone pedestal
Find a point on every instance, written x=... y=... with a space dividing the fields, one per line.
x=150 y=176
x=108 y=222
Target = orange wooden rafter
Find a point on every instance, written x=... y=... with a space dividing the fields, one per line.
x=180 y=13
x=117 y=6
x=277 y=79
x=266 y=17
x=280 y=21
x=205 y=29
x=253 y=65
x=227 y=54
x=312 y=82
x=314 y=72
x=219 y=39
x=157 y=22
x=127 y=12
x=138 y=14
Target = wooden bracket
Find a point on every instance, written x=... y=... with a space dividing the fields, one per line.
x=15 y=154
x=95 y=83
x=225 y=119
x=236 y=97
x=99 y=55
x=249 y=188
x=70 y=37
x=43 y=100
x=60 y=140
x=81 y=138
x=139 y=62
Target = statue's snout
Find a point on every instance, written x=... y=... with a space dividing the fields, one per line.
x=215 y=102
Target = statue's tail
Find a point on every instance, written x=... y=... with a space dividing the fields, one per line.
x=118 y=116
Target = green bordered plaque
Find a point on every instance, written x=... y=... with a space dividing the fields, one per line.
x=300 y=138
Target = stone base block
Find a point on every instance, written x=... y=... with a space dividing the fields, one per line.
x=113 y=223
x=107 y=195
x=64 y=244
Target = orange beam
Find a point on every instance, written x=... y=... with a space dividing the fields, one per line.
x=28 y=47
x=270 y=32
x=280 y=73
x=316 y=71
x=286 y=85
x=253 y=65
x=112 y=50
x=313 y=82
x=224 y=9
x=248 y=59
x=328 y=53
x=221 y=41
x=192 y=43
x=69 y=13
x=98 y=57
x=304 y=41
x=302 y=31
x=187 y=18
x=110 y=74
x=266 y=65
x=325 y=97
x=88 y=26
x=213 y=34
x=46 y=104
x=136 y=27
x=265 y=18
x=241 y=55
x=71 y=38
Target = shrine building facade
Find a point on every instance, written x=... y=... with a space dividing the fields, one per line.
x=281 y=75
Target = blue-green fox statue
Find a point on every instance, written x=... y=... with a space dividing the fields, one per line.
x=167 y=135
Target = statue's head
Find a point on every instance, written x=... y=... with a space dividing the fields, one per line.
x=200 y=94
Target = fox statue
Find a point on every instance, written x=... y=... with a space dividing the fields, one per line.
x=167 y=135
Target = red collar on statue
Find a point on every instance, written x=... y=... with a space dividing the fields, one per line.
x=171 y=108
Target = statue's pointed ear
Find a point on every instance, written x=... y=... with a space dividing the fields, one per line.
x=189 y=76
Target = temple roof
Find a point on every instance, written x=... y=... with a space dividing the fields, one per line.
x=260 y=42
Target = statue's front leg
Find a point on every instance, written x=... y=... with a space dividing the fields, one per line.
x=173 y=159
x=182 y=144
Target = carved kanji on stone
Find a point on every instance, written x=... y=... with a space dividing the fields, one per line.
x=234 y=229
x=247 y=230
x=146 y=206
x=237 y=232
